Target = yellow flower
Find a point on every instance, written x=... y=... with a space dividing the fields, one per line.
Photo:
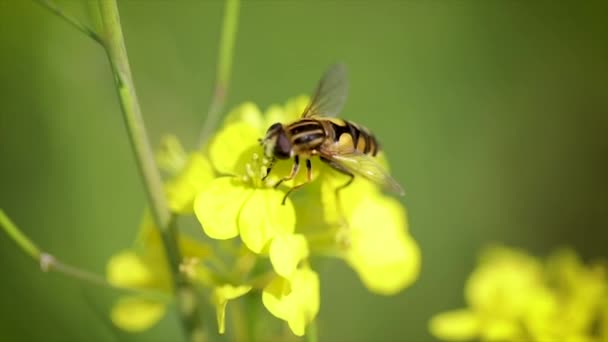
x=380 y=250
x=145 y=268
x=226 y=187
x=512 y=296
x=241 y=204
x=384 y=256
x=294 y=299
x=190 y=173
x=364 y=227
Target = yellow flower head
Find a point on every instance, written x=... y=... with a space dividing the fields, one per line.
x=365 y=228
x=265 y=245
x=240 y=203
x=513 y=296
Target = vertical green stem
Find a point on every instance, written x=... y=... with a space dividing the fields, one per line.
x=311 y=332
x=117 y=54
x=224 y=66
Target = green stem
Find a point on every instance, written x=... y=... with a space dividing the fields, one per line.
x=20 y=239
x=224 y=66
x=311 y=332
x=119 y=61
x=48 y=262
x=51 y=6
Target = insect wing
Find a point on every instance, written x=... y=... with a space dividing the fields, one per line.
x=330 y=96
x=369 y=168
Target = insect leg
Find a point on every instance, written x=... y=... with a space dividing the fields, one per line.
x=294 y=171
x=338 y=167
x=268 y=169
x=308 y=180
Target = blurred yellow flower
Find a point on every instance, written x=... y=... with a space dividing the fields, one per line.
x=513 y=296
x=145 y=267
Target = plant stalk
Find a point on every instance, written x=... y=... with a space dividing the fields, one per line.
x=117 y=54
x=49 y=263
x=224 y=66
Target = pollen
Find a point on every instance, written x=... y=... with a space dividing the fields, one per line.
x=249 y=170
x=255 y=170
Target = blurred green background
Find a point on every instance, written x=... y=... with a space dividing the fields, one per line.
x=494 y=116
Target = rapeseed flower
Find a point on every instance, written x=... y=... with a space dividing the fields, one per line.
x=265 y=245
x=513 y=296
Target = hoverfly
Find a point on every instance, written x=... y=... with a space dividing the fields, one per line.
x=345 y=146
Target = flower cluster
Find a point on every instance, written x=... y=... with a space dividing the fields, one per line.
x=265 y=246
x=513 y=296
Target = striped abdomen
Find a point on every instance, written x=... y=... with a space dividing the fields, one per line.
x=349 y=134
x=310 y=134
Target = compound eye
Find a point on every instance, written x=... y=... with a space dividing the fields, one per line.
x=282 y=149
x=273 y=128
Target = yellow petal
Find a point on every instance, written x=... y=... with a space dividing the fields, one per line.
x=457 y=325
x=129 y=270
x=171 y=156
x=286 y=252
x=337 y=209
x=504 y=283
x=263 y=217
x=218 y=205
x=502 y=330
x=182 y=189
x=229 y=146
x=135 y=314
x=295 y=300
x=314 y=224
x=248 y=113
x=221 y=296
x=384 y=256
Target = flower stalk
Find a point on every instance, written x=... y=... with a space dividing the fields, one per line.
x=48 y=262
x=117 y=54
x=224 y=66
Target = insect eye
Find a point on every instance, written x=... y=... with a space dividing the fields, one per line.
x=273 y=128
x=282 y=148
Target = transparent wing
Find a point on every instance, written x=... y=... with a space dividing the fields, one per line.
x=367 y=167
x=331 y=93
